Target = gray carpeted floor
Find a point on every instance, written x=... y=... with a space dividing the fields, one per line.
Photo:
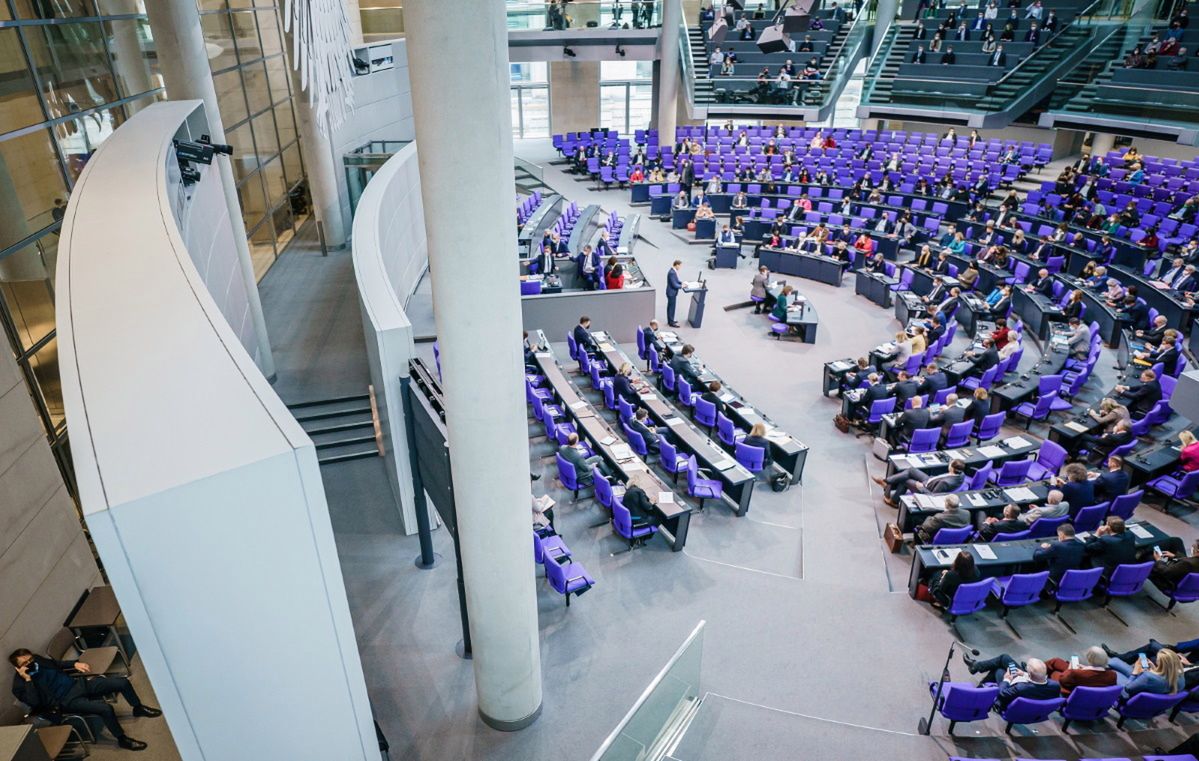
x=813 y=648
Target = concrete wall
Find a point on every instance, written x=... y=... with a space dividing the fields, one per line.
x=45 y=561
x=382 y=111
x=574 y=96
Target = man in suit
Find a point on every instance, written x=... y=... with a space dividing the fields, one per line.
x=905 y=389
x=948 y=58
x=589 y=267
x=1010 y=523
x=935 y=294
x=1104 y=444
x=1080 y=339
x=1136 y=311
x=582 y=335
x=1141 y=399
x=1166 y=354
x=1042 y=285
x=962 y=34
x=950 y=516
x=983 y=360
x=911 y=420
x=1030 y=680
x=573 y=453
x=876 y=391
x=1112 y=482
x=951 y=415
x=727 y=237
x=1055 y=507
x=1066 y=554
x=916 y=480
x=674 y=284
x=1112 y=545
x=935 y=330
x=1156 y=332
x=1033 y=34
x=544 y=263
x=1169 y=569
x=998 y=58
x=1176 y=271
x=980 y=22
x=641 y=424
x=933 y=381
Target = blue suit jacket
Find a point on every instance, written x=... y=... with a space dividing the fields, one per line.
x=673 y=282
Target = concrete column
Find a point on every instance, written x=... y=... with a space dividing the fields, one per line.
x=127 y=56
x=668 y=71
x=458 y=56
x=185 y=71
x=1101 y=143
x=883 y=17
x=574 y=96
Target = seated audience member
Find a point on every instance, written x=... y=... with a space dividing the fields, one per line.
x=934 y=380
x=1066 y=554
x=1110 y=413
x=1076 y=490
x=48 y=686
x=1010 y=523
x=641 y=424
x=757 y=438
x=911 y=420
x=1163 y=677
x=1080 y=340
x=1112 y=482
x=1054 y=507
x=1188 y=455
x=916 y=480
x=683 y=365
x=949 y=517
x=944 y=585
x=983 y=359
x=582 y=335
x=1092 y=671
x=623 y=384
x=905 y=388
x=1170 y=569
x=572 y=451
x=1028 y=680
x=1111 y=545
x=1100 y=447
x=979 y=407
x=860 y=372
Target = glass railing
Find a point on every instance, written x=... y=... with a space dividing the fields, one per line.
x=894 y=32
x=662 y=708
x=371 y=58
x=688 y=63
x=584 y=14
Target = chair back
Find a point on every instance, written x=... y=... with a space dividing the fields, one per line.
x=1024 y=589
x=924 y=439
x=1013 y=472
x=692 y=470
x=943 y=394
x=725 y=430
x=538 y=557
x=952 y=535
x=1049 y=384
x=655 y=363
x=609 y=395
x=622 y=520
x=990 y=425
x=1051 y=456
x=555 y=573
x=1013 y=536
x=959 y=434
x=668 y=377
x=530 y=287
x=988 y=377
x=705 y=412
x=1128 y=578
x=880 y=407
x=572 y=346
x=981 y=476
x=641 y=350
x=1120 y=451
x=1076 y=585
x=1045 y=527
x=1146 y=705
x=603 y=488
x=965 y=702
x=1090 y=703
x=626 y=409
x=684 y=392
x=1089 y=518
x=1186 y=590
x=566 y=473
x=636 y=440
x=63 y=642
x=1126 y=504
x=1026 y=711
x=753 y=458
x=971 y=597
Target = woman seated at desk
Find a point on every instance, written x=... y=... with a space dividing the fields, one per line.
x=1188 y=455
x=614 y=280
x=780 y=305
x=757 y=438
x=925 y=257
x=740 y=201
x=1114 y=293
x=864 y=245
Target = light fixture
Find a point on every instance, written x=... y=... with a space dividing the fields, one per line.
x=568 y=52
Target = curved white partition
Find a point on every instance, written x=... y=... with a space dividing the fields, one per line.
x=390 y=255
x=202 y=493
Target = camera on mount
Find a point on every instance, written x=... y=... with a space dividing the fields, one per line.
x=201 y=152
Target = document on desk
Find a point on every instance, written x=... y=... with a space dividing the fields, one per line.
x=928 y=502
x=665 y=498
x=726 y=397
x=947 y=555
x=608 y=440
x=723 y=465
x=622 y=452
x=1077 y=427
x=839 y=366
x=1020 y=494
x=605 y=346
x=578 y=405
x=985 y=552
x=777 y=435
x=1017 y=442
x=1139 y=531
x=991 y=452
x=976 y=500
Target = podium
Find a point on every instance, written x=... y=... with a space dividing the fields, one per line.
x=728 y=256
x=695 y=312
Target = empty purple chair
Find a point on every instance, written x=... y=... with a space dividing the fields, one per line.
x=878 y=408
x=1186 y=590
x=668 y=378
x=548 y=548
x=1127 y=579
x=986 y=381
x=636 y=440
x=1014 y=536
x=1075 y=586
x=726 y=431
x=1035 y=411
x=1089 y=704
x=1043 y=528
x=1189 y=704
x=1089 y=518
x=981 y=476
x=952 y=535
x=1126 y=504
x=959 y=434
x=988 y=427
x=1013 y=473
x=670 y=459
x=705 y=413
x=636 y=534
x=701 y=488
x=1049 y=461
x=625 y=410
x=684 y=394
x=1016 y=591
x=1146 y=706
x=969 y=598
x=1175 y=488
x=1026 y=711
x=924 y=440
x=568 y=578
x=964 y=702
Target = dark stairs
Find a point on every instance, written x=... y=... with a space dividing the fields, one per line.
x=342 y=428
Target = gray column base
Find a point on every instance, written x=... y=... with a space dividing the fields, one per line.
x=419 y=563
x=510 y=726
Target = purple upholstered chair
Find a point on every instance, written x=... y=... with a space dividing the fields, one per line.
x=1043 y=528
x=1146 y=706
x=1014 y=536
x=568 y=477
x=1035 y=411
x=548 y=548
x=568 y=579
x=685 y=396
x=1126 y=580
x=1190 y=704
x=701 y=488
x=705 y=413
x=1126 y=504
x=1075 y=586
x=1050 y=459
x=752 y=458
x=1016 y=591
x=1175 y=488
x=969 y=598
x=964 y=702
x=670 y=459
x=726 y=431
x=1186 y=590
x=1013 y=473
x=1089 y=518
x=952 y=535
x=981 y=476
x=988 y=427
x=1089 y=704
x=622 y=523
x=1026 y=711
x=668 y=378
x=959 y=434
x=924 y=440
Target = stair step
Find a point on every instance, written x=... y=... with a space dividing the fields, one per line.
x=326 y=414
x=346 y=442
x=356 y=425
x=330 y=400
x=347 y=456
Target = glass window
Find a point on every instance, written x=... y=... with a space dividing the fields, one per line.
x=26 y=288
x=245 y=32
x=268 y=30
x=245 y=161
x=133 y=58
x=277 y=76
x=276 y=186
x=52 y=9
x=79 y=138
x=119 y=7
x=30 y=180
x=536 y=112
x=641 y=106
x=230 y=97
x=218 y=40
x=293 y=168
x=257 y=93
x=613 y=110
x=253 y=202
x=262 y=248
x=285 y=123
x=72 y=65
x=44 y=366
x=212 y=5
x=529 y=72
x=19 y=105
x=265 y=138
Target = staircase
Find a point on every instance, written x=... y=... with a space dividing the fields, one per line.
x=1037 y=66
x=885 y=64
x=342 y=428
x=1097 y=63
x=704 y=91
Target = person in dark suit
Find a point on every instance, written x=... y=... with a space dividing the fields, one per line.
x=935 y=294
x=589 y=265
x=953 y=414
x=1112 y=482
x=945 y=585
x=905 y=388
x=641 y=424
x=1033 y=34
x=1099 y=447
x=982 y=360
x=1136 y=311
x=1169 y=569
x=876 y=391
x=916 y=480
x=979 y=407
x=933 y=381
x=911 y=420
x=919 y=56
x=582 y=334
x=1141 y=398
x=1112 y=545
x=1076 y=489
x=1010 y=523
x=1166 y=354
x=543 y=263
x=948 y=58
x=1066 y=554
x=623 y=386
x=935 y=330
x=674 y=284
x=1030 y=680
x=998 y=58
x=573 y=453
x=712 y=395
x=651 y=333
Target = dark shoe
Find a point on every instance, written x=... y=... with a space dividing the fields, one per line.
x=888 y=501
x=146 y=711
x=969 y=661
x=1110 y=653
x=676 y=325
x=534 y=476
x=128 y=743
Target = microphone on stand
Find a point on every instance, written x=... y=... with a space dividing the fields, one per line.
x=925 y=725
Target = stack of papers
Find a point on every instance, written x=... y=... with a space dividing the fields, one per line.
x=724 y=464
x=777 y=435
x=605 y=346
x=1077 y=427
x=608 y=440
x=927 y=502
x=1020 y=494
x=1017 y=442
x=946 y=555
x=622 y=452
x=578 y=405
x=984 y=551
x=665 y=498
x=977 y=500
x=1139 y=531
x=991 y=452
x=839 y=366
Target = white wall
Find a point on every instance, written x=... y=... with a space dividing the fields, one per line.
x=390 y=254
x=202 y=493
x=382 y=111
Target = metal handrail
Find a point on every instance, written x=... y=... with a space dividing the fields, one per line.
x=881 y=56
x=1080 y=15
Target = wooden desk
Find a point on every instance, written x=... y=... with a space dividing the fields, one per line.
x=99 y=610
x=21 y=743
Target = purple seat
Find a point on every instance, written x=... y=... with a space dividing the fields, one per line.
x=1126 y=504
x=1186 y=590
x=625 y=410
x=960 y=701
x=1189 y=704
x=670 y=459
x=548 y=548
x=568 y=579
x=981 y=476
x=701 y=488
x=924 y=440
x=1049 y=461
x=636 y=440
x=959 y=434
x=1075 y=586
x=878 y=408
x=1026 y=711
x=1127 y=579
x=1013 y=473
x=1014 y=536
x=568 y=477
x=1175 y=488
x=752 y=458
x=1043 y=528
x=1089 y=704
x=636 y=534
x=668 y=378
x=1036 y=411
x=1146 y=706
x=726 y=431
x=969 y=598
x=1089 y=518
x=683 y=393
x=705 y=413
x=986 y=381
x=952 y=535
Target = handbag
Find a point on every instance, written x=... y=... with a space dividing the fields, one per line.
x=893 y=538
x=690 y=227
x=923 y=594
x=780 y=482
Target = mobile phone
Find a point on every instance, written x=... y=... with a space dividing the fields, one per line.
x=1011 y=669
x=1157 y=550
x=1074 y=661
x=1144 y=660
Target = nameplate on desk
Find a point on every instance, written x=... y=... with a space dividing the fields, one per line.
x=977 y=500
x=1017 y=442
x=991 y=452
x=947 y=555
x=984 y=551
x=1139 y=531
x=1077 y=427
x=1020 y=494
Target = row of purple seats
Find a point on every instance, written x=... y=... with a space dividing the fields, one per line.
x=565 y=575
x=526 y=207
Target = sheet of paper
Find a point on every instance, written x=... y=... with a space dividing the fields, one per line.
x=928 y=502
x=622 y=452
x=724 y=464
x=1017 y=442
x=946 y=555
x=1077 y=427
x=991 y=452
x=608 y=440
x=605 y=346
x=977 y=500
x=984 y=551
x=1020 y=494
x=1139 y=531
x=578 y=405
